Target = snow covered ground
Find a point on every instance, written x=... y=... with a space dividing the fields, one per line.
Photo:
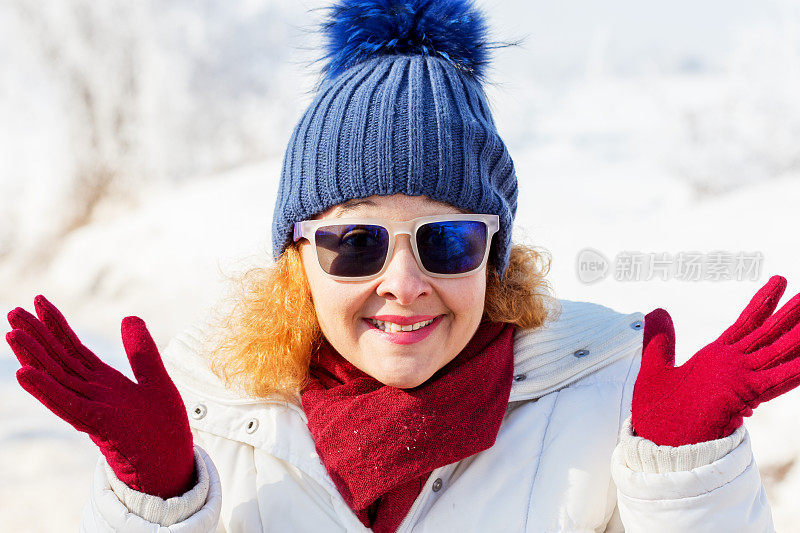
x=626 y=139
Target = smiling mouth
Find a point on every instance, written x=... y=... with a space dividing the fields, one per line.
x=391 y=327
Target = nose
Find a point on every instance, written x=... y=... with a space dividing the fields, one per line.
x=403 y=281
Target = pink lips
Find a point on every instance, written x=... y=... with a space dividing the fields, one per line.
x=405 y=337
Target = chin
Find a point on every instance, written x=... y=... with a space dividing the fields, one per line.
x=405 y=381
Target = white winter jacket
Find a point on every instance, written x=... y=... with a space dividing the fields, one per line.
x=565 y=458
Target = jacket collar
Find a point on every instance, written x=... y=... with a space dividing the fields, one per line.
x=582 y=339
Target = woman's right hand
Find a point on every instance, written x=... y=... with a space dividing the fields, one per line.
x=140 y=427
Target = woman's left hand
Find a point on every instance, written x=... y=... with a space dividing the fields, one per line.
x=753 y=361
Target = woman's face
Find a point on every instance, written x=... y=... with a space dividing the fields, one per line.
x=345 y=307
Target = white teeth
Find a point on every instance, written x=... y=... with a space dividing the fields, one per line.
x=395 y=328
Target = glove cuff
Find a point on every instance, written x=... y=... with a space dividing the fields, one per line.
x=158 y=510
x=643 y=455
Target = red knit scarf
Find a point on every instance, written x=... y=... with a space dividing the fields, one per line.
x=380 y=443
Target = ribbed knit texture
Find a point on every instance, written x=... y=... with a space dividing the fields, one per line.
x=642 y=455
x=546 y=356
x=158 y=510
x=393 y=124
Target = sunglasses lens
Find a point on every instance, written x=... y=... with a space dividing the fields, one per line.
x=452 y=247
x=352 y=250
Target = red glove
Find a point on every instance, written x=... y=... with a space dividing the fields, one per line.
x=141 y=428
x=753 y=361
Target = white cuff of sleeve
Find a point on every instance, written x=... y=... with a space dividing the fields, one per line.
x=158 y=510
x=642 y=455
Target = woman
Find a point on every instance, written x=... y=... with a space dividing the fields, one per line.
x=402 y=366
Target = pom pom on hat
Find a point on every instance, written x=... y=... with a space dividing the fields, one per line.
x=454 y=30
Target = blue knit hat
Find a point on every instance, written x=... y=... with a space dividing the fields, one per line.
x=400 y=109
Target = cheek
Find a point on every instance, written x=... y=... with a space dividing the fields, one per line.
x=467 y=298
x=336 y=303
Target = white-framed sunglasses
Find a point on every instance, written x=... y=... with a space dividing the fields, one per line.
x=357 y=249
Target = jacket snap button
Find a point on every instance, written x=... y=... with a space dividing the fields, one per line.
x=199 y=411
x=437 y=485
x=637 y=325
x=581 y=353
x=520 y=377
x=252 y=425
